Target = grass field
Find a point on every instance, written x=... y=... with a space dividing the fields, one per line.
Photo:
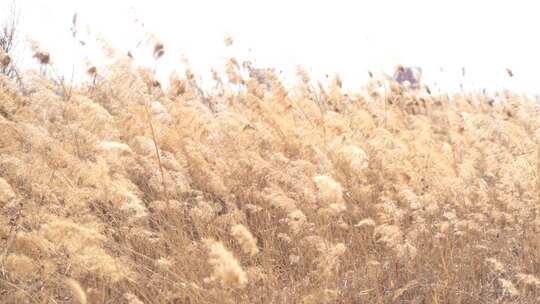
x=117 y=190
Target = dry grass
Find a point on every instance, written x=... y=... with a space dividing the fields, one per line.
x=255 y=193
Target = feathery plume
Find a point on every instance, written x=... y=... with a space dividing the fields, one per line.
x=245 y=238
x=228 y=40
x=226 y=268
x=77 y=291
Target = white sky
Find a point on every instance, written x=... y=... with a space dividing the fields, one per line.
x=348 y=37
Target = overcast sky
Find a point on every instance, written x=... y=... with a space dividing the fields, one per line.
x=347 y=37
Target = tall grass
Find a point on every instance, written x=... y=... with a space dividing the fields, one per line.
x=259 y=193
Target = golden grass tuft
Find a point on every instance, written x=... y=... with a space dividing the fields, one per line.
x=245 y=239
x=6 y=192
x=77 y=291
x=225 y=267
